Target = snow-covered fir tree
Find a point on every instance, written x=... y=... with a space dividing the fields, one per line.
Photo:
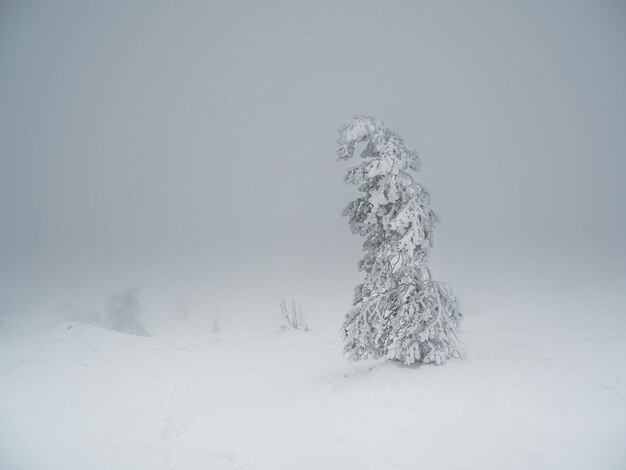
x=123 y=313
x=399 y=311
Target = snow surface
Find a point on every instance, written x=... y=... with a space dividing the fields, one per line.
x=544 y=387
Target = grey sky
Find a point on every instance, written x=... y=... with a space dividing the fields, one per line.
x=191 y=144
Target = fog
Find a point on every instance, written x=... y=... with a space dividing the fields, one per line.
x=188 y=148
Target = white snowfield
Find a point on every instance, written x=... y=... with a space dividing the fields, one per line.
x=543 y=387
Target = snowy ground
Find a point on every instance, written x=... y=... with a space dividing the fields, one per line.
x=544 y=387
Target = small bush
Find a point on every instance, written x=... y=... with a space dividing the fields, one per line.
x=293 y=319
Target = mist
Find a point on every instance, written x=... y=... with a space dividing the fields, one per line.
x=188 y=149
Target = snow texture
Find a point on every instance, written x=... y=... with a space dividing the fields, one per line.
x=544 y=387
